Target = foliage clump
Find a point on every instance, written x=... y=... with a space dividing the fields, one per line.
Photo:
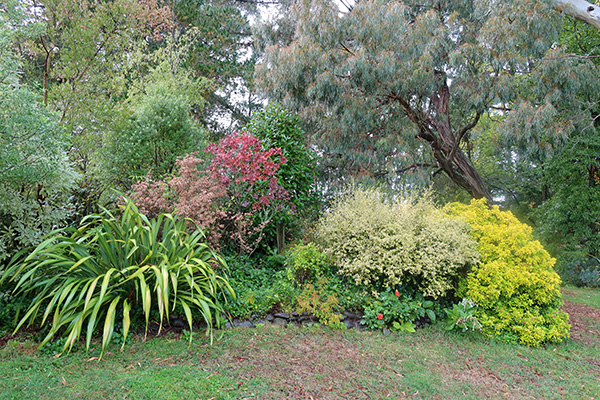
x=277 y=127
x=400 y=310
x=315 y=300
x=233 y=199
x=306 y=264
x=381 y=241
x=189 y=194
x=83 y=279
x=515 y=287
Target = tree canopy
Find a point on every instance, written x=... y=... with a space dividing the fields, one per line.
x=395 y=86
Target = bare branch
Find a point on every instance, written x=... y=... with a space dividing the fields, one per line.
x=580 y=10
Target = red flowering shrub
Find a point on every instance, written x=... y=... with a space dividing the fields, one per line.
x=248 y=172
x=224 y=200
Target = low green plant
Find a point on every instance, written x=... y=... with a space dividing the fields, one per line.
x=9 y=309
x=380 y=241
x=514 y=285
x=258 y=288
x=81 y=278
x=54 y=348
x=398 y=310
x=583 y=272
x=314 y=301
x=351 y=297
x=462 y=316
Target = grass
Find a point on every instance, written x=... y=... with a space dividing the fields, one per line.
x=302 y=363
x=586 y=296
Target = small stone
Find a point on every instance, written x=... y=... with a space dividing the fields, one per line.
x=270 y=317
x=351 y=315
x=246 y=324
x=228 y=325
x=177 y=323
x=349 y=324
x=280 y=321
x=386 y=331
x=282 y=315
x=295 y=315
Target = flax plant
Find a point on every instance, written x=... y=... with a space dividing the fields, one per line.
x=80 y=278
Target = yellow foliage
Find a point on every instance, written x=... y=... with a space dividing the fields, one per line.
x=515 y=286
x=320 y=305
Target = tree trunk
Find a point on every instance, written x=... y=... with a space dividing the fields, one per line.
x=462 y=172
x=580 y=10
x=280 y=229
x=446 y=144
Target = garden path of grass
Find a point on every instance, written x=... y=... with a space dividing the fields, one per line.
x=315 y=363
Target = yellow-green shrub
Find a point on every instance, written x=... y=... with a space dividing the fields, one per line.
x=383 y=242
x=517 y=290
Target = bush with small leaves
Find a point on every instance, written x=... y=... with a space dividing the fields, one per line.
x=306 y=264
x=384 y=242
x=515 y=287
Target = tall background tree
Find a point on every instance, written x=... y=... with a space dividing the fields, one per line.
x=390 y=87
x=35 y=175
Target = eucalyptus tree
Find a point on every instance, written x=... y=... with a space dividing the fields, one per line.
x=395 y=86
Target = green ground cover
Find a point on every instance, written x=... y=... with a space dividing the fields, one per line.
x=296 y=363
x=586 y=296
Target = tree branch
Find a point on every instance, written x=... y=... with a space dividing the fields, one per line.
x=461 y=133
x=414 y=166
x=580 y=10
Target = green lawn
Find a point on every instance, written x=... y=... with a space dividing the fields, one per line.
x=304 y=363
x=585 y=296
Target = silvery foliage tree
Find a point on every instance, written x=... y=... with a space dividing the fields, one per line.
x=393 y=86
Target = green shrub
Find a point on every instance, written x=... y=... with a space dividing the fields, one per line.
x=109 y=266
x=515 y=287
x=306 y=264
x=382 y=242
x=351 y=297
x=259 y=290
x=582 y=272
